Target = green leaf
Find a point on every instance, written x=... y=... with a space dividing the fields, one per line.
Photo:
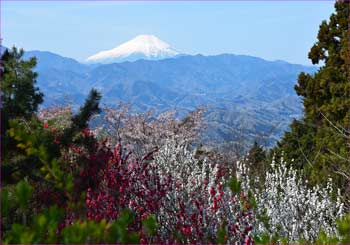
x=19 y=234
x=222 y=235
x=126 y=217
x=23 y=191
x=4 y=202
x=262 y=239
x=252 y=200
x=234 y=185
x=133 y=238
x=150 y=225
x=344 y=226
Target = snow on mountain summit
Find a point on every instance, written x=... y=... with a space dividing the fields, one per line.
x=142 y=46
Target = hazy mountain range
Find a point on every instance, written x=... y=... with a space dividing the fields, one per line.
x=244 y=95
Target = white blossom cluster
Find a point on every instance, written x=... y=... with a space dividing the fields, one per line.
x=242 y=174
x=293 y=210
x=196 y=184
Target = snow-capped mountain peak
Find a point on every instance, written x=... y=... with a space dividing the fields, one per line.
x=142 y=46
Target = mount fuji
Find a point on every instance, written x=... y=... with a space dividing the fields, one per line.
x=148 y=47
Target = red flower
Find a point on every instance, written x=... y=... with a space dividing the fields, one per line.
x=56 y=141
x=186 y=230
x=215 y=204
x=212 y=191
x=86 y=132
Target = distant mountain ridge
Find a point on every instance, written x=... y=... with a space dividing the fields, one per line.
x=237 y=89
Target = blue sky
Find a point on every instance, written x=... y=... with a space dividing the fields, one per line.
x=272 y=30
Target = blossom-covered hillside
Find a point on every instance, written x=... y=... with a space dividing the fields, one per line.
x=109 y=175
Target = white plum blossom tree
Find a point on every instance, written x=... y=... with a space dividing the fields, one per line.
x=292 y=209
x=200 y=201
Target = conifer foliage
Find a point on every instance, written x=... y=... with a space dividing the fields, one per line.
x=19 y=96
x=319 y=142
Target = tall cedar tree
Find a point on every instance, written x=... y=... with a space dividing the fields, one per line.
x=258 y=163
x=19 y=96
x=319 y=143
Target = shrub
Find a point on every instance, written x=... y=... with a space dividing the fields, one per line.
x=288 y=208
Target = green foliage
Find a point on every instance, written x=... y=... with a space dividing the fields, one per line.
x=120 y=229
x=344 y=229
x=42 y=230
x=4 y=202
x=34 y=155
x=318 y=143
x=99 y=232
x=252 y=200
x=258 y=163
x=234 y=185
x=324 y=239
x=150 y=225
x=274 y=239
x=19 y=97
x=80 y=121
x=256 y=154
x=19 y=234
x=222 y=233
x=36 y=152
x=262 y=239
x=85 y=232
x=23 y=191
x=44 y=227
x=38 y=146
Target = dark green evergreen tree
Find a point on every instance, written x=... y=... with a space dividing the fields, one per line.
x=19 y=96
x=256 y=154
x=257 y=161
x=16 y=167
x=20 y=100
x=319 y=142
